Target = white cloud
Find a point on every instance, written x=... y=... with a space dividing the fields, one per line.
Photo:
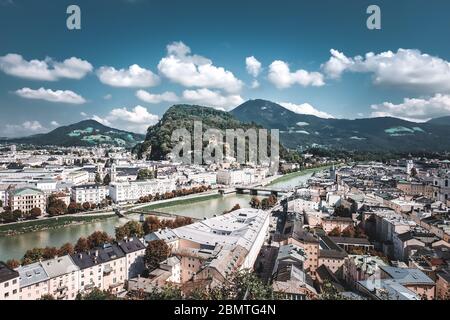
x=203 y=96
x=156 y=98
x=62 y=96
x=48 y=69
x=137 y=119
x=253 y=66
x=134 y=77
x=305 y=108
x=182 y=67
x=282 y=77
x=107 y=96
x=212 y=98
x=54 y=123
x=414 y=109
x=24 y=129
x=83 y=114
x=255 y=84
x=407 y=68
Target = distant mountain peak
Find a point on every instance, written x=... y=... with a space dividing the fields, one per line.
x=87 y=132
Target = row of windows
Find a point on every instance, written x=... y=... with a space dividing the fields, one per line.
x=6 y=285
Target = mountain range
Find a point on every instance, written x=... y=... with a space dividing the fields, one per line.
x=83 y=133
x=297 y=131
x=301 y=131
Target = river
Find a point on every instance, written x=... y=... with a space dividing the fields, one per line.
x=15 y=246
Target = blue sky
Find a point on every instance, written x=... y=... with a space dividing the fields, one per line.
x=133 y=59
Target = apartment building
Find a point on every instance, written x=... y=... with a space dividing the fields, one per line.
x=134 y=251
x=91 y=193
x=63 y=277
x=361 y=267
x=103 y=267
x=121 y=192
x=25 y=199
x=9 y=283
x=412 y=279
x=33 y=281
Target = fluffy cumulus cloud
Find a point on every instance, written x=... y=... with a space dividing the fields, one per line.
x=54 y=123
x=212 y=98
x=47 y=70
x=190 y=70
x=414 y=109
x=24 y=129
x=253 y=66
x=146 y=96
x=61 y=96
x=133 y=77
x=203 y=96
x=305 y=108
x=137 y=119
x=282 y=77
x=407 y=68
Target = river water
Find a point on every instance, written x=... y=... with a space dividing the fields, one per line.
x=15 y=246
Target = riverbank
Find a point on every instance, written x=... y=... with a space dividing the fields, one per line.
x=64 y=221
x=68 y=220
x=49 y=223
x=292 y=175
x=176 y=202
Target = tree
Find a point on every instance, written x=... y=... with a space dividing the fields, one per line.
x=107 y=179
x=167 y=292
x=131 y=228
x=272 y=200
x=145 y=174
x=342 y=211
x=72 y=208
x=329 y=292
x=239 y=285
x=35 y=213
x=336 y=232
x=265 y=204
x=96 y=294
x=255 y=203
x=98 y=178
x=180 y=221
x=235 y=207
x=151 y=224
x=47 y=296
x=66 y=249
x=49 y=253
x=32 y=255
x=13 y=263
x=56 y=207
x=1 y=203
x=86 y=206
x=413 y=172
x=98 y=238
x=82 y=245
x=348 y=232
x=156 y=252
